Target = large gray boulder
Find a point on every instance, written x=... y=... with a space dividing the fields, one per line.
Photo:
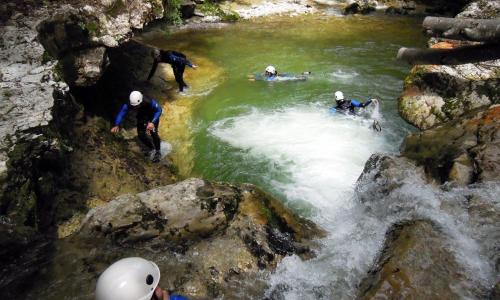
x=225 y=232
x=78 y=34
x=444 y=243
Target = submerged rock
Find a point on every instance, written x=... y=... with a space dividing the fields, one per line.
x=360 y=7
x=415 y=263
x=223 y=231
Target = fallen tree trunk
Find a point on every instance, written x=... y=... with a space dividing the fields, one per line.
x=481 y=30
x=457 y=56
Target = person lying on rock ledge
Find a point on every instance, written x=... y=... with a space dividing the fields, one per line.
x=177 y=60
x=148 y=113
x=132 y=278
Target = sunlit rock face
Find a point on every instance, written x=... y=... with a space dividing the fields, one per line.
x=435 y=94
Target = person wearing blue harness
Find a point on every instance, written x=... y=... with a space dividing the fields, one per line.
x=345 y=105
x=177 y=60
x=148 y=113
x=132 y=278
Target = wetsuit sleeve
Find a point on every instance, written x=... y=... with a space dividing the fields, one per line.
x=177 y=297
x=179 y=59
x=357 y=103
x=121 y=114
x=367 y=103
x=153 y=68
x=158 y=111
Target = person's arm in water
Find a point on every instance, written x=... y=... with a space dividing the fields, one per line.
x=357 y=103
x=153 y=68
x=156 y=117
x=119 y=118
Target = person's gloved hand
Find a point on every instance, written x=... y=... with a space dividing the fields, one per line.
x=115 y=129
x=150 y=127
x=195 y=66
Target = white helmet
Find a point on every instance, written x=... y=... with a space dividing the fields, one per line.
x=135 y=98
x=339 y=95
x=271 y=69
x=132 y=278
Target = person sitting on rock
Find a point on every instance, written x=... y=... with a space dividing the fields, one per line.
x=148 y=113
x=345 y=105
x=177 y=60
x=132 y=278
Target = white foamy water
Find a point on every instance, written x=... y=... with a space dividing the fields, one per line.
x=322 y=156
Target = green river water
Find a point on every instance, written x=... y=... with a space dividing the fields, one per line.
x=281 y=137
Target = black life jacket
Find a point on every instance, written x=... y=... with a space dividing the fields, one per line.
x=345 y=105
x=144 y=111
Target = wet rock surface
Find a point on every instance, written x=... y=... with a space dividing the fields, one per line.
x=443 y=238
x=359 y=7
x=414 y=263
x=207 y=238
x=464 y=151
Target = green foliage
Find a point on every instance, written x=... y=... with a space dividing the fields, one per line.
x=212 y=8
x=46 y=57
x=172 y=11
x=92 y=28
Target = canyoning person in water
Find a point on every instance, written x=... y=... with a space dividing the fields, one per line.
x=349 y=105
x=132 y=278
x=148 y=113
x=177 y=60
x=271 y=74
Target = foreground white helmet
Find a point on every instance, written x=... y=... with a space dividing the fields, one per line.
x=339 y=95
x=135 y=98
x=271 y=69
x=132 y=278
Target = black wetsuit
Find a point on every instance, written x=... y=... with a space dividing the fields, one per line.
x=350 y=105
x=178 y=62
x=148 y=111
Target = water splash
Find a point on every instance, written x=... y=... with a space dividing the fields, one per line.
x=322 y=156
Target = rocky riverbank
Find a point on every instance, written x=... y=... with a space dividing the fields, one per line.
x=441 y=194
x=435 y=94
x=58 y=160
x=441 y=197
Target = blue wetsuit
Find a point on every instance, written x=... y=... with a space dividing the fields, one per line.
x=148 y=111
x=178 y=62
x=177 y=297
x=349 y=105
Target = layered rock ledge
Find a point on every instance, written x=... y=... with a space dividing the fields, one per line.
x=435 y=94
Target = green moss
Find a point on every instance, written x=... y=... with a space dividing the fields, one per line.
x=46 y=57
x=92 y=28
x=7 y=93
x=214 y=9
x=172 y=11
x=115 y=9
